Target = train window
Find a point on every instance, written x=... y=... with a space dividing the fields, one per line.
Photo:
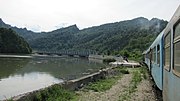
x=167 y=52
x=154 y=55
x=177 y=56
x=158 y=54
x=152 y=58
x=177 y=31
x=148 y=55
x=177 y=48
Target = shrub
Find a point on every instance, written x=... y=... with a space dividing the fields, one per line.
x=108 y=60
x=54 y=93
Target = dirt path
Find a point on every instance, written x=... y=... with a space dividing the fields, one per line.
x=109 y=95
x=144 y=92
x=119 y=92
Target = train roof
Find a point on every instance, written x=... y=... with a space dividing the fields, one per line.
x=146 y=51
x=157 y=40
x=173 y=20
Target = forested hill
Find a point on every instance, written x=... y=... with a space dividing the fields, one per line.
x=131 y=35
x=10 y=42
x=120 y=35
x=136 y=34
x=23 y=32
x=61 y=39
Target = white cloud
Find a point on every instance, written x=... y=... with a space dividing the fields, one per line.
x=85 y=13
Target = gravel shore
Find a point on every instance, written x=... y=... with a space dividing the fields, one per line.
x=144 y=91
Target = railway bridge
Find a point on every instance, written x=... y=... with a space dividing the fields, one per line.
x=84 y=53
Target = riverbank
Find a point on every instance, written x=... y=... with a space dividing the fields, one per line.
x=68 y=85
x=14 y=56
x=116 y=84
x=28 y=56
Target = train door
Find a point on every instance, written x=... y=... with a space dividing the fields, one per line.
x=160 y=63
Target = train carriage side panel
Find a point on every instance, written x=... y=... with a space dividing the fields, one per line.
x=171 y=80
x=167 y=60
x=157 y=57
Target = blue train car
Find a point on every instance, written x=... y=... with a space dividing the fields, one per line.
x=156 y=60
x=163 y=59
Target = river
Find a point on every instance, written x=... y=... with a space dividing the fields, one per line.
x=20 y=75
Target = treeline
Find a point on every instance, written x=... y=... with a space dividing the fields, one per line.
x=10 y=42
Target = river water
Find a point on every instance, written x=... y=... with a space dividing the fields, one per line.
x=20 y=75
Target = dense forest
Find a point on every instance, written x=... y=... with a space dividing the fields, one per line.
x=125 y=37
x=10 y=42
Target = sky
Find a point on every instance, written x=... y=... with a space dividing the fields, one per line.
x=48 y=15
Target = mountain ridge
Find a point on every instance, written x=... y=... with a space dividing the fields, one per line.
x=102 y=38
x=9 y=26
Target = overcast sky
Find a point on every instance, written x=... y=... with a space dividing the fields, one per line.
x=47 y=15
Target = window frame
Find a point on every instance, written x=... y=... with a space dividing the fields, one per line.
x=158 y=55
x=167 y=68
x=150 y=54
x=175 y=40
x=154 y=55
x=152 y=60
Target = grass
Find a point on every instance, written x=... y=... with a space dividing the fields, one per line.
x=55 y=93
x=107 y=83
x=122 y=70
x=9 y=99
x=144 y=72
x=138 y=75
x=102 y=85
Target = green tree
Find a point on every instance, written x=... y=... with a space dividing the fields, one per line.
x=10 y=42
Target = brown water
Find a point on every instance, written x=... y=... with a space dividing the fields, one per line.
x=21 y=75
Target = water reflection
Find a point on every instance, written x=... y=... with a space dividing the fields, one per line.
x=18 y=84
x=19 y=75
x=9 y=66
